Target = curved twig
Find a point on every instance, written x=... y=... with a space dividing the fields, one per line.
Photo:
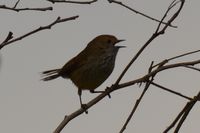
x=171 y=91
x=24 y=9
x=183 y=114
x=156 y=34
x=117 y=86
x=147 y=85
x=138 y=12
x=58 y=20
x=73 y=2
x=78 y=112
x=176 y=57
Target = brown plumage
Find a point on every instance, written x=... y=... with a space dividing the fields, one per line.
x=91 y=67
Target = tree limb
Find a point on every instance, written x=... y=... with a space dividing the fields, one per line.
x=145 y=78
x=155 y=35
x=58 y=20
x=171 y=91
x=147 y=85
x=138 y=12
x=73 y=2
x=24 y=9
x=183 y=114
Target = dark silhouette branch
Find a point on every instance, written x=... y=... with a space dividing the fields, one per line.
x=145 y=78
x=176 y=119
x=135 y=107
x=155 y=35
x=159 y=69
x=58 y=20
x=73 y=2
x=183 y=114
x=176 y=57
x=16 y=4
x=9 y=37
x=138 y=12
x=171 y=91
x=187 y=111
x=147 y=85
x=23 y=9
x=193 y=68
x=14 y=8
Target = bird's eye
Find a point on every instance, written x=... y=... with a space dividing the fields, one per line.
x=101 y=47
x=109 y=41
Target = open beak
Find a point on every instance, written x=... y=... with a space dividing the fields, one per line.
x=120 y=41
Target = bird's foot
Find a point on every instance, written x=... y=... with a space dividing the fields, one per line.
x=84 y=107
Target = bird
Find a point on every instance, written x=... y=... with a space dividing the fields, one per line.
x=91 y=67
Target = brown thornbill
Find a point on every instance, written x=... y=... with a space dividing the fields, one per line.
x=91 y=67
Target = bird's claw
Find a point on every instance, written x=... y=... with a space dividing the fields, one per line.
x=84 y=107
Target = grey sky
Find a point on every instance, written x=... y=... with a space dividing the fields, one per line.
x=29 y=105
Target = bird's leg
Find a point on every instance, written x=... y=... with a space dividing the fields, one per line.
x=83 y=106
x=93 y=91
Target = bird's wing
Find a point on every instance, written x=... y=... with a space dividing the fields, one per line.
x=73 y=64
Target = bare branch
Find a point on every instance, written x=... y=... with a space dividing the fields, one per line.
x=183 y=114
x=78 y=112
x=155 y=35
x=176 y=119
x=9 y=37
x=138 y=12
x=189 y=53
x=16 y=4
x=175 y=57
x=187 y=111
x=58 y=20
x=23 y=9
x=135 y=107
x=148 y=83
x=171 y=91
x=73 y=2
x=193 y=68
x=159 y=69
x=68 y=118
x=117 y=86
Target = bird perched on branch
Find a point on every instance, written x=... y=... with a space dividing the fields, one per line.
x=91 y=67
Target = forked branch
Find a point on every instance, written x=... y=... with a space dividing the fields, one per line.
x=159 y=31
x=10 y=38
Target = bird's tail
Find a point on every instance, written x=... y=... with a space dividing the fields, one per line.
x=50 y=74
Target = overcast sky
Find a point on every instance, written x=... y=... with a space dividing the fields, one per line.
x=29 y=105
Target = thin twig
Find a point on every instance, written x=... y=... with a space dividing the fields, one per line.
x=9 y=37
x=155 y=35
x=183 y=114
x=159 y=69
x=58 y=20
x=138 y=101
x=188 y=53
x=176 y=119
x=171 y=91
x=173 y=4
x=175 y=57
x=187 y=111
x=73 y=2
x=23 y=9
x=117 y=86
x=138 y=12
x=16 y=4
x=193 y=68
x=78 y=112
x=134 y=108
